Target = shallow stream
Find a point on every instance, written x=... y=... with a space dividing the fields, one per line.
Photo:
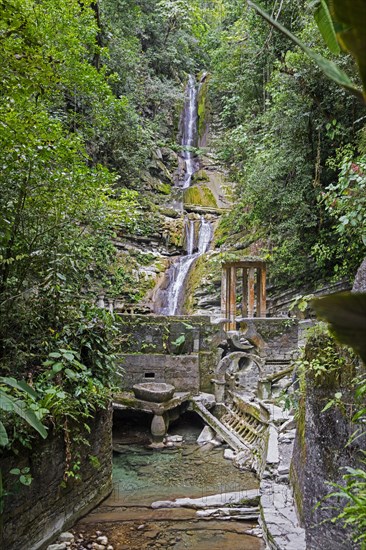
x=142 y=476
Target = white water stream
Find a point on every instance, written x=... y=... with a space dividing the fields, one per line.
x=170 y=296
x=189 y=134
x=178 y=271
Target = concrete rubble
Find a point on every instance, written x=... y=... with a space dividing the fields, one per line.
x=278 y=518
x=249 y=497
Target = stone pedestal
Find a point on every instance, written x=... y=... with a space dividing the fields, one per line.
x=163 y=412
x=158 y=428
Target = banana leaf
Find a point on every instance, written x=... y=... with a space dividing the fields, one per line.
x=19 y=385
x=4 y=440
x=346 y=314
x=10 y=404
x=349 y=18
x=326 y=26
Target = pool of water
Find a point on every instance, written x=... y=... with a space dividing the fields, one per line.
x=142 y=476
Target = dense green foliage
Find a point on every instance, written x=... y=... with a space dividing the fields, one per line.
x=89 y=90
x=284 y=127
x=59 y=208
x=91 y=99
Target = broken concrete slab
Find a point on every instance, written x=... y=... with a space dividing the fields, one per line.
x=250 y=497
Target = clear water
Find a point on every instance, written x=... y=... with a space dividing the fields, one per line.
x=142 y=476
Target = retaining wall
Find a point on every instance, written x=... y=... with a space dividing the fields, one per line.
x=185 y=351
x=34 y=515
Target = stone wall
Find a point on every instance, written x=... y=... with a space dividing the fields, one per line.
x=34 y=515
x=186 y=351
x=276 y=337
x=181 y=371
x=182 y=351
x=320 y=453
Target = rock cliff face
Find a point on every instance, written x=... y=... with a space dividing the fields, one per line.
x=144 y=260
x=321 y=453
x=360 y=281
x=36 y=514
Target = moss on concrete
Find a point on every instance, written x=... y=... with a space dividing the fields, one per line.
x=207 y=363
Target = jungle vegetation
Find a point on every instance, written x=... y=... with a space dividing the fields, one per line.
x=89 y=91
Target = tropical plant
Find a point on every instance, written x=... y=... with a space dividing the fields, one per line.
x=17 y=404
x=18 y=398
x=337 y=20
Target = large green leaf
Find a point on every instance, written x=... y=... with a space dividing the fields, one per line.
x=328 y=67
x=19 y=407
x=325 y=24
x=3 y=435
x=19 y=385
x=349 y=17
x=346 y=313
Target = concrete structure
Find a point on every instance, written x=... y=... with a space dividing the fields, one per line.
x=194 y=355
x=249 y=277
x=163 y=413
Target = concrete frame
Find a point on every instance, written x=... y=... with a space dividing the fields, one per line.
x=253 y=284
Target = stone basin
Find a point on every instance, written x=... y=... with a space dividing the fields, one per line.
x=155 y=392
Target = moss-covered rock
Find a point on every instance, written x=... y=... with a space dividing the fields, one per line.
x=203 y=283
x=129 y=278
x=169 y=212
x=200 y=176
x=203 y=109
x=173 y=230
x=163 y=188
x=199 y=195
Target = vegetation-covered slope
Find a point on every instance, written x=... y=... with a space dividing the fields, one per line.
x=294 y=142
x=92 y=94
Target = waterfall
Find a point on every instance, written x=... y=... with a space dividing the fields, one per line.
x=189 y=131
x=205 y=236
x=189 y=231
x=169 y=297
x=172 y=297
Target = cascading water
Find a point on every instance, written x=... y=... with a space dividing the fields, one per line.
x=189 y=131
x=205 y=236
x=171 y=297
x=189 y=231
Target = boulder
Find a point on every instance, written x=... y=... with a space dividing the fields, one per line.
x=229 y=454
x=243 y=460
x=66 y=537
x=360 y=280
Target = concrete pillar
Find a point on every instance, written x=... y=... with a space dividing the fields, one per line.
x=158 y=428
x=251 y=294
x=232 y=298
x=261 y=292
x=253 y=280
x=224 y=284
x=244 y=301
